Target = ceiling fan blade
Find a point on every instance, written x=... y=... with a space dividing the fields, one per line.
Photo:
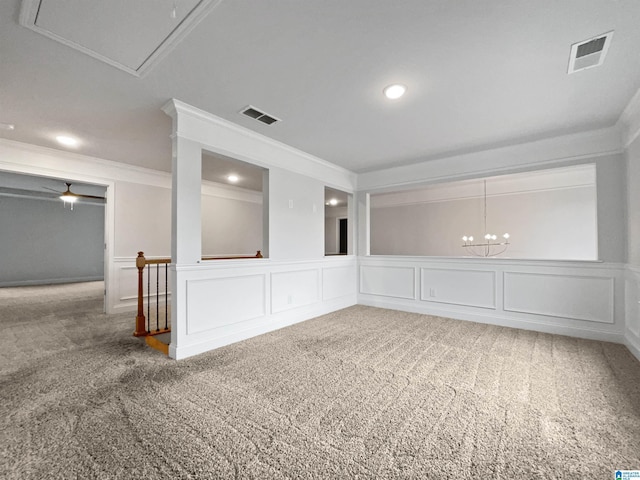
x=88 y=196
x=57 y=191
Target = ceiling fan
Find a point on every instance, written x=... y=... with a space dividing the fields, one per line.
x=71 y=197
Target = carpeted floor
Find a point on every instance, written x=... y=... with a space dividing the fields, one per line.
x=360 y=393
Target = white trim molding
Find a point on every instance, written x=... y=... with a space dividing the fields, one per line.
x=629 y=121
x=238 y=142
x=632 y=309
x=465 y=289
x=547 y=153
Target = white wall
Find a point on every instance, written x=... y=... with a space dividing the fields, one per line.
x=586 y=299
x=633 y=202
x=43 y=242
x=583 y=299
x=216 y=303
x=142 y=220
x=632 y=156
x=547 y=224
x=296 y=216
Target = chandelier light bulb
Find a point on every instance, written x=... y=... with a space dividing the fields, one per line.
x=491 y=246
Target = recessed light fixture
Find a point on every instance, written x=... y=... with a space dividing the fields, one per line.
x=333 y=202
x=7 y=126
x=394 y=91
x=233 y=178
x=67 y=141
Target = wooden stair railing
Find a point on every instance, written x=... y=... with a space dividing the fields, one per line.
x=143 y=328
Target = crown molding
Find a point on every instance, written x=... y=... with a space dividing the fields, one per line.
x=277 y=154
x=555 y=179
x=37 y=160
x=565 y=150
x=629 y=121
x=30 y=159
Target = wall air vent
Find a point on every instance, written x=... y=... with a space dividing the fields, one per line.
x=589 y=53
x=259 y=115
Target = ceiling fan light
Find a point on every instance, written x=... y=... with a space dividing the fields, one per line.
x=68 y=198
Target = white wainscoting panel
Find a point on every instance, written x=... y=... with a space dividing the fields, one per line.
x=632 y=298
x=473 y=288
x=127 y=283
x=216 y=302
x=576 y=298
x=338 y=282
x=225 y=302
x=398 y=282
x=294 y=289
x=565 y=296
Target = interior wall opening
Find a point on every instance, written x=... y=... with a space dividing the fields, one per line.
x=234 y=208
x=48 y=240
x=338 y=237
x=545 y=214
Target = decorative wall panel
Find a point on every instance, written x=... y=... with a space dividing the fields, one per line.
x=216 y=302
x=565 y=296
x=459 y=287
x=294 y=289
x=396 y=282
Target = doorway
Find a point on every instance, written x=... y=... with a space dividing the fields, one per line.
x=343 y=236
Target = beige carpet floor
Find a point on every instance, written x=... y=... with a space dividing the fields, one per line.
x=361 y=393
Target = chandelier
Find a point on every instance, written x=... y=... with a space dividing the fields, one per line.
x=491 y=246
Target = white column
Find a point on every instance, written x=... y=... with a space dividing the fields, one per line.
x=186 y=199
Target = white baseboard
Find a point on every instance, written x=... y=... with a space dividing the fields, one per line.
x=51 y=281
x=496 y=318
x=271 y=323
x=633 y=344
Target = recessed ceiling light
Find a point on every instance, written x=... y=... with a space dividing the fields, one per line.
x=394 y=91
x=233 y=178
x=333 y=202
x=7 y=126
x=67 y=141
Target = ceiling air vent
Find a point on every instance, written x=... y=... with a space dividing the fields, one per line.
x=258 y=115
x=589 y=53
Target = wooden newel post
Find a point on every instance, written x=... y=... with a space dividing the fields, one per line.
x=141 y=329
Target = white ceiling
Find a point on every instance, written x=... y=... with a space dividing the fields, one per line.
x=480 y=74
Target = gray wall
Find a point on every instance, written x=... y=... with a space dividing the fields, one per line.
x=230 y=227
x=551 y=224
x=612 y=217
x=633 y=203
x=43 y=242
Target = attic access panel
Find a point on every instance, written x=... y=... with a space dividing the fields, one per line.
x=129 y=35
